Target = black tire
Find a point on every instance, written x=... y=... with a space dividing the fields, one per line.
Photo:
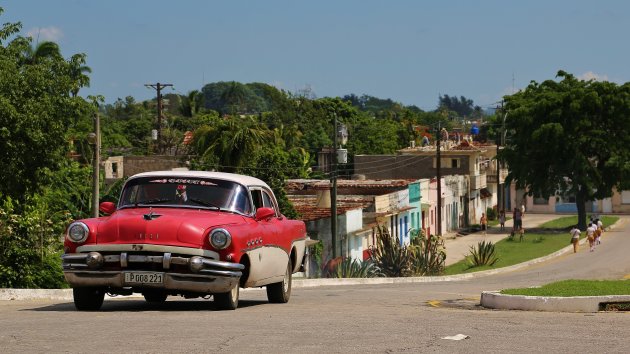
x=279 y=293
x=227 y=301
x=155 y=296
x=88 y=299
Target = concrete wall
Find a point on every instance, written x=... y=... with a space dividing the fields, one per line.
x=138 y=164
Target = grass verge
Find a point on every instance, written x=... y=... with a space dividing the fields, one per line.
x=534 y=245
x=567 y=288
x=568 y=221
x=514 y=252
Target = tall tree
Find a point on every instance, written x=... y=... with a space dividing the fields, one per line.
x=232 y=141
x=78 y=73
x=36 y=110
x=33 y=54
x=569 y=137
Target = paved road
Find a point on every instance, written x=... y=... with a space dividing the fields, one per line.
x=339 y=319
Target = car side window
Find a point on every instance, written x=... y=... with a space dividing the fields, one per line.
x=257 y=198
x=262 y=198
x=267 y=201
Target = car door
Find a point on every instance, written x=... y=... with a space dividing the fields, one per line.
x=272 y=257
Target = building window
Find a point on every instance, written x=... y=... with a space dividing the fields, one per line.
x=454 y=163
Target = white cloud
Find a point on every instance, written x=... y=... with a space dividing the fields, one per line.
x=589 y=75
x=43 y=34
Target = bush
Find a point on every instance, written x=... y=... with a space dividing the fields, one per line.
x=30 y=246
x=484 y=254
x=391 y=258
x=429 y=255
x=351 y=268
x=424 y=256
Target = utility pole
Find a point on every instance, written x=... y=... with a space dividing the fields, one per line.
x=96 y=165
x=333 y=194
x=499 y=191
x=158 y=87
x=438 y=165
x=503 y=143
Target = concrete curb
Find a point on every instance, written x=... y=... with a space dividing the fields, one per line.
x=496 y=300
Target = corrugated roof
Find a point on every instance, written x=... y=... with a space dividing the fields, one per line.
x=306 y=205
x=317 y=184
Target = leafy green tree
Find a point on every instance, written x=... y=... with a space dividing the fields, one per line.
x=231 y=141
x=462 y=106
x=36 y=110
x=271 y=164
x=569 y=137
x=41 y=51
x=78 y=73
x=191 y=103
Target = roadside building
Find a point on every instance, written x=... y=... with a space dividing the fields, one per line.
x=362 y=206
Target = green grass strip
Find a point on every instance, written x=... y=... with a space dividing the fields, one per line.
x=568 y=221
x=533 y=246
x=515 y=252
x=566 y=288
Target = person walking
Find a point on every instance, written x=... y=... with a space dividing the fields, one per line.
x=517 y=215
x=575 y=238
x=484 y=223
x=502 y=219
x=590 y=236
x=600 y=228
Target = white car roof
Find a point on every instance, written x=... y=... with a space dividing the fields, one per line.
x=242 y=179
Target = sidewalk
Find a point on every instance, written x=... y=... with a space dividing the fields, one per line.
x=458 y=247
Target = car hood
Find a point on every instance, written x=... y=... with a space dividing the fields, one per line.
x=167 y=226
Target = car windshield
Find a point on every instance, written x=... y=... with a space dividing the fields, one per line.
x=186 y=193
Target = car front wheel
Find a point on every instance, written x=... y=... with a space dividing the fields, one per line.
x=280 y=293
x=88 y=299
x=227 y=301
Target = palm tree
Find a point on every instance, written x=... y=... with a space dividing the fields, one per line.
x=232 y=142
x=191 y=103
x=47 y=49
x=78 y=73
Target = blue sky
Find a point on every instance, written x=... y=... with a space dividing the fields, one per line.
x=409 y=51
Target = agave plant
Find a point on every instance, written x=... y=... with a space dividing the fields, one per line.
x=352 y=268
x=391 y=258
x=484 y=254
x=429 y=254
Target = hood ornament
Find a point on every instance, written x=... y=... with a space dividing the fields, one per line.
x=151 y=215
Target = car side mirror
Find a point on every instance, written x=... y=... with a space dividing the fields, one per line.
x=264 y=213
x=107 y=208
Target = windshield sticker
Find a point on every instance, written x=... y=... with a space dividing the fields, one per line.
x=183 y=181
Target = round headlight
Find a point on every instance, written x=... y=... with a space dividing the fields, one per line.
x=220 y=238
x=78 y=232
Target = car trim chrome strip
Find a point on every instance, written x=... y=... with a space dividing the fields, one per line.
x=148 y=248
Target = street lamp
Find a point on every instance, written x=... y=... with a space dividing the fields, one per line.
x=340 y=135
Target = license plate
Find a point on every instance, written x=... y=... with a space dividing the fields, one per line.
x=144 y=277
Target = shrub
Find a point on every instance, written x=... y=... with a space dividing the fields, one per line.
x=429 y=255
x=424 y=256
x=391 y=258
x=30 y=246
x=484 y=254
x=352 y=268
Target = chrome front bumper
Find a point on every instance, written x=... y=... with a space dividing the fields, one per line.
x=206 y=276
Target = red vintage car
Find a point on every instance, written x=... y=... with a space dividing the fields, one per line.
x=187 y=233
